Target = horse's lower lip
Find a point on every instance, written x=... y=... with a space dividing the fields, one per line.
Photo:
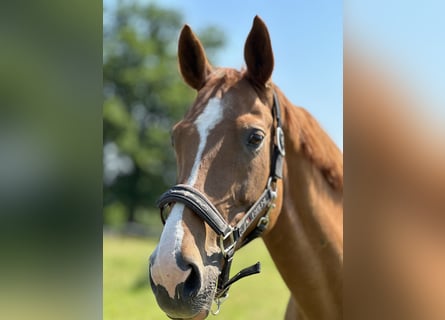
x=199 y=316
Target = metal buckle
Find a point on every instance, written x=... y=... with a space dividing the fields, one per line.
x=272 y=189
x=231 y=246
x=264 y=220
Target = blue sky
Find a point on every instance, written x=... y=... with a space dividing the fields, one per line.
x=307 y=39
x=409 y=38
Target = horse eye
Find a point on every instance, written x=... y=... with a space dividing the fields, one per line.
x=255 y=139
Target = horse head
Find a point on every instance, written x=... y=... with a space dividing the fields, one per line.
x=224 y=148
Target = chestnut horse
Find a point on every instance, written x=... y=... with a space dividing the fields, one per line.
x=239 y=180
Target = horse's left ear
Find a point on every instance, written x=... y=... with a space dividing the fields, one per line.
x=258 y=53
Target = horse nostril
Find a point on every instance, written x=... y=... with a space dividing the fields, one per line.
x=193 y=283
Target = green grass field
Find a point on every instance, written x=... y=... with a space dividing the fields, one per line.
x=127 y=294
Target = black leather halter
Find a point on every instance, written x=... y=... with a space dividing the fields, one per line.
x=232 y=238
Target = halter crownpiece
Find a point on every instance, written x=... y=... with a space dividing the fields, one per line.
x=233 y=238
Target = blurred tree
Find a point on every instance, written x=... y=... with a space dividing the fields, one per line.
x=144 y=96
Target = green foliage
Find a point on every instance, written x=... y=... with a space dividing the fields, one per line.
x=144 y=96
x=127 y=293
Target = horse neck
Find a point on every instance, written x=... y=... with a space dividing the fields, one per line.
x=306 y=243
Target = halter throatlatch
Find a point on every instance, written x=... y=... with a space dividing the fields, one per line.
x=232 y=238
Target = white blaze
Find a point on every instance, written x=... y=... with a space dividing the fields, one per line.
x=164 y=269
x=206 y=121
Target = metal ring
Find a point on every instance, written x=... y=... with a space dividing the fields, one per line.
x=280 y=141
x=164 y=217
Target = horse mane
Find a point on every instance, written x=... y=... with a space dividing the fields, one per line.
x=313 y=142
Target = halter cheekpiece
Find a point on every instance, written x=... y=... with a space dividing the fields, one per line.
x=233 y=238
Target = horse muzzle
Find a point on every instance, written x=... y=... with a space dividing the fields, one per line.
x=189 y=296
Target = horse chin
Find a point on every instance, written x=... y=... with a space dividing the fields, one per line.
x=200 y=316
x=196 y=308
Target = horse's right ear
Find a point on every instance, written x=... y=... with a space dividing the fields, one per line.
x=193 y=63
x=258 y=53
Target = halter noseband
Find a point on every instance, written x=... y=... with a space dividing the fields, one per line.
x=230 y=237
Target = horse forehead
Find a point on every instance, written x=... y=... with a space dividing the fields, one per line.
x=228 y=85
x=227 y=93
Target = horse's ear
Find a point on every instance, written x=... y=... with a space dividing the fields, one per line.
x=258 y=53
x=193 y=63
